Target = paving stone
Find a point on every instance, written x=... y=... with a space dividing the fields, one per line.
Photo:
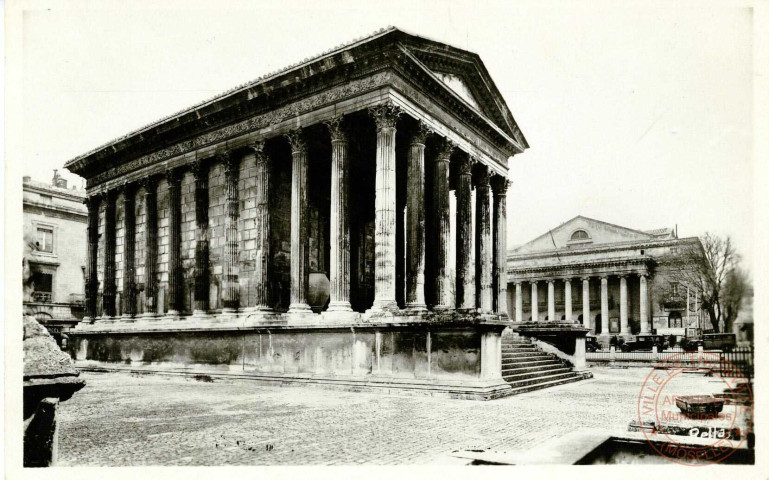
x=129 y=419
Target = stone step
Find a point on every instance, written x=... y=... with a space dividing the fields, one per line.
x=535 y=353
x=539 y=373
x=552 y=383
x=506 y=348
x=540 y=379
x=543 y=367
x=527 y=359
x=517 y=344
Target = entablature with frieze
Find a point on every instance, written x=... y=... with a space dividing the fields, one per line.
x=576 y=271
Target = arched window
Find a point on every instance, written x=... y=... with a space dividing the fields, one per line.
x=580 y=235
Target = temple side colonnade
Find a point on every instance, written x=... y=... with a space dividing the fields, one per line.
x=479 y=287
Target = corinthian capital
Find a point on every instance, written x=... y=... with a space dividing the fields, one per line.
x=421 y=133
x=445 y=149
x=336 y=129
x=296 y=139
x=465 y=165
x=499 y=184
x=385 y=114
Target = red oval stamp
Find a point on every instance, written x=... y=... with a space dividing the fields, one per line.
x=696 y=408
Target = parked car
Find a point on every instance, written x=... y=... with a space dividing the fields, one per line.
x=644 y=343
x=591 y=343
x=711 y=341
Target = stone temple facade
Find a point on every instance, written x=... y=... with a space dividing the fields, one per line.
x=297 y=228
x=614 y=280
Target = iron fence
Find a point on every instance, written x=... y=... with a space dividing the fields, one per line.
x=736 y=362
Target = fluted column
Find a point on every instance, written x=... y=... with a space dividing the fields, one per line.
x=202 y=275
x=534 y=302
x=299 y=278
x=483 y=245
x=262 y=263
x=415 y=228
x=385 y=115
x=175 y=272
x=151 y=246
x=586 y=304
x=518 y=302
x=129 y=251
x=465 y=287
x=92 y=279
x=644 y=294
x=110 y=288
x=604 y=305
x=441 y=237
x=499 y=185
x=624 y=329
x=567 y=300
x=230 y=273
x=551 y=300
x=340 y=217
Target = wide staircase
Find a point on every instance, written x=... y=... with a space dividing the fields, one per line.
x=527 y=367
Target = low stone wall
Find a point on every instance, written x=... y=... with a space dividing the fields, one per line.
x=461 y=361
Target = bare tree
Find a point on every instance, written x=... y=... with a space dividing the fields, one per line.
x=711 y=270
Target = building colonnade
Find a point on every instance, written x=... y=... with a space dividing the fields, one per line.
x=572 y=316
x=479 y=287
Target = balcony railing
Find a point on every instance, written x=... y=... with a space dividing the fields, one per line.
x=42 y=297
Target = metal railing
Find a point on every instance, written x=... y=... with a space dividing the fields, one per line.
x=736 y=362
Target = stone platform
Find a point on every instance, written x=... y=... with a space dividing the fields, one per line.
x=456 y=355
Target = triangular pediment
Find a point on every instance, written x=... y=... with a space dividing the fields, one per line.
x=582 y=232
x=464 y=73
x=460 y=87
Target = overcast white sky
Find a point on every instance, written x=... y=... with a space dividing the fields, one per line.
x=636 y=116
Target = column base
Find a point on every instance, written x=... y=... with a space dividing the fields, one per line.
x=340 y=306
x=148 y=316
x=415 y=308
x=200 y=314
x=172 y=316
x=299 y=308
x=381 y=306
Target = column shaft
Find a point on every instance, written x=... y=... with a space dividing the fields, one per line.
x=110 y=288
x=129 y=251
x=586 y=321
x=551 y=301
x=263 y=262
x=645 y=327
x=624 y=329
x=483 y=246
x=604 y=306
x=442 y=226
x=92 y=279
x=340 y=226
x=499 y=249
x=518 y=302
x=385 y=116
x=230 y=270
x=567 y=299
x=151 y=246
x=202 y=275
x=415 y=234
x=175 y=272
x=299 y=278
x=534 y=303
x=465 y=287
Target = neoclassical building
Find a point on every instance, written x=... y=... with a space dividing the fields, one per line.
x=54 y=233
x=299 y=225
x=614 y=280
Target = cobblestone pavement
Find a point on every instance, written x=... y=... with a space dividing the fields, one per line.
x=125 y=419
